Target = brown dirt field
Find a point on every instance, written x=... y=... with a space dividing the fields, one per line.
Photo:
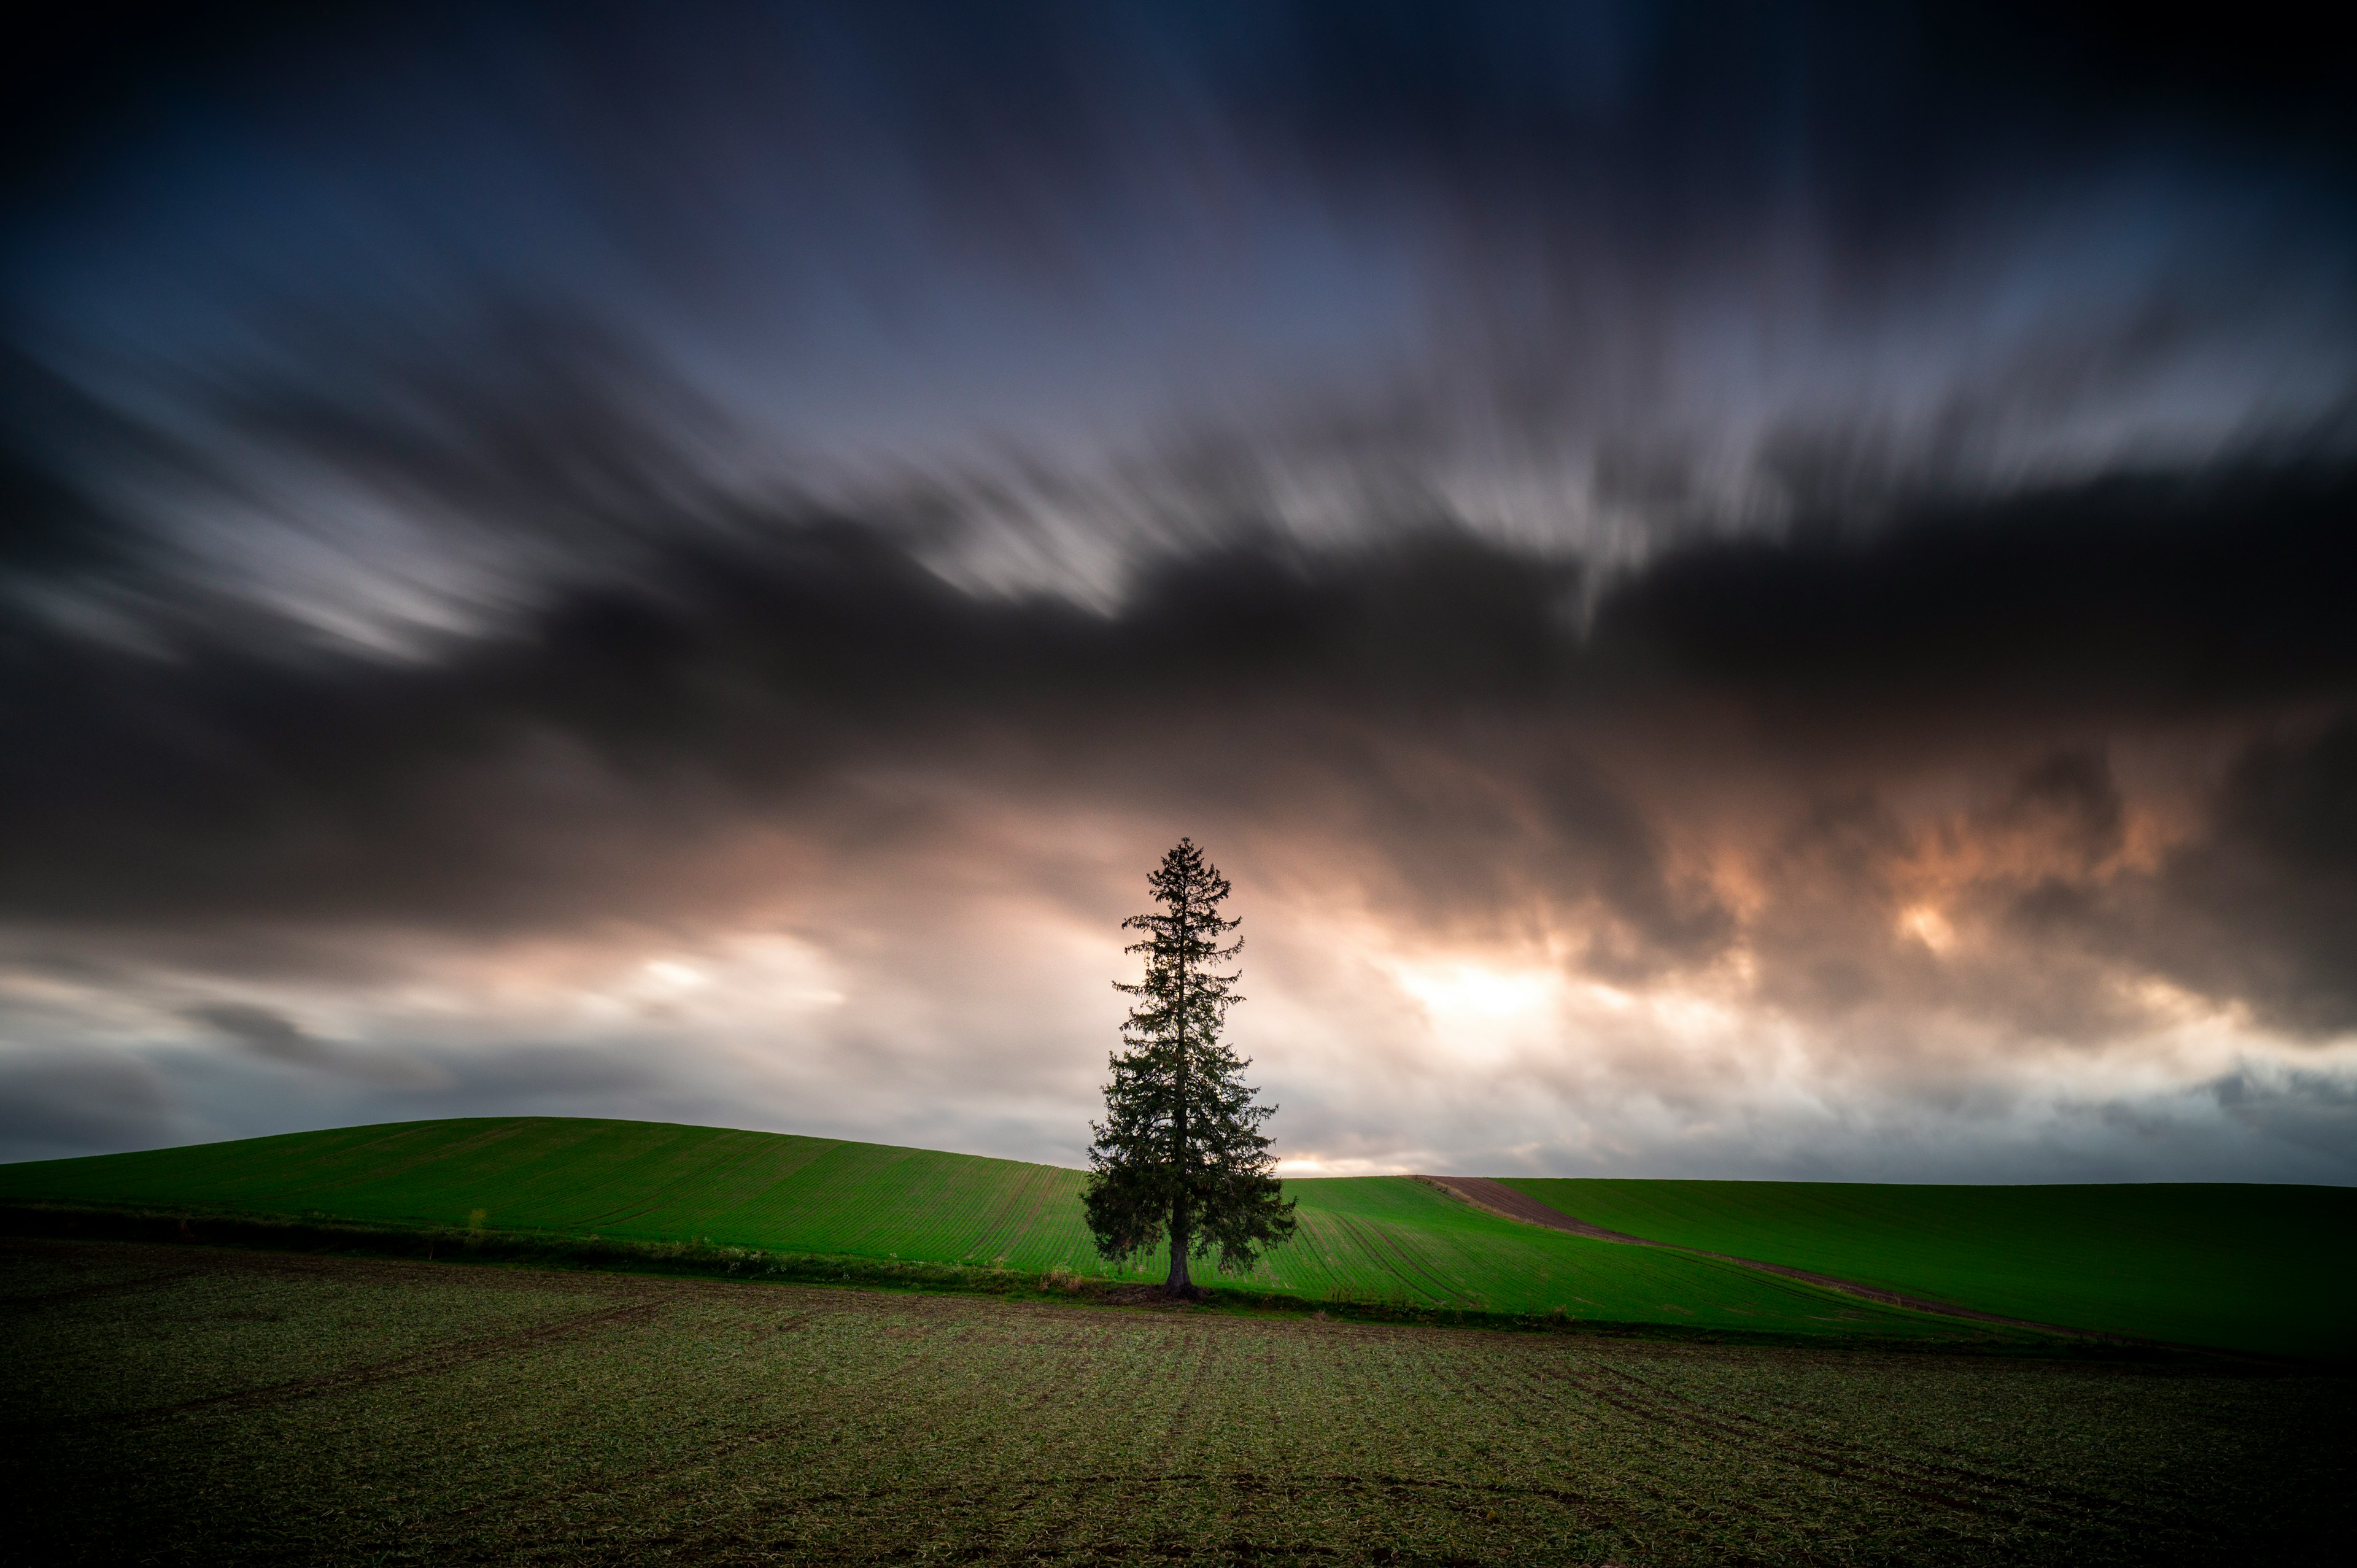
x=401 y=1412
x=421 y=1364
x=1510 y=1203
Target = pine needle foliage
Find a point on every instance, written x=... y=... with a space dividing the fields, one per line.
x=1180 y=1154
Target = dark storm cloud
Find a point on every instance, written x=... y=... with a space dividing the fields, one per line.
x=2313 y=1109
x=538 y=430
x=686 y=654
x=1568 y=189
x=2262 y=906
x=59 y=1103
x=2119 y=599
x=714 y=662
x=270 y=1036
x=1477 y=79
x=54 y=441
x=53 y=526
x=1854 y=499
x=262 y=1033
x=1832 y=937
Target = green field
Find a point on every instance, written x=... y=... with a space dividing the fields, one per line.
x=646 y=1181
x=2249 y=1268
x=1393 y=1238
x=214 y=1406
x=1364 y=1240
x=2266 y=1269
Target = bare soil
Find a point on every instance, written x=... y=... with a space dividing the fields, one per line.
x=405 y=1412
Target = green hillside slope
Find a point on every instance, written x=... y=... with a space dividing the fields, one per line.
x=645 y=1181
x=1394 y=1237
x=2258 y=1268
x=1377 y=1238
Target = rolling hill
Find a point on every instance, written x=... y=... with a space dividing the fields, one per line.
x=2244 y=1267
x=1361 y=1239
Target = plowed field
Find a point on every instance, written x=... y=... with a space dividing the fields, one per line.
x=173 y=1405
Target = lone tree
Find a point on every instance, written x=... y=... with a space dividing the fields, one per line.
x=1181 y=1151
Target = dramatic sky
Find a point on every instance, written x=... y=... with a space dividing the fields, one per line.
x=1752 y=590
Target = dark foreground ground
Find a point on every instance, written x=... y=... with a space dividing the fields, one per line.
x=203 y=1405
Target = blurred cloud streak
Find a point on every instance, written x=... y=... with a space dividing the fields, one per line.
x=1753 y=592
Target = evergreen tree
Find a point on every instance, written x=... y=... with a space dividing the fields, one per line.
x=1180 y=1152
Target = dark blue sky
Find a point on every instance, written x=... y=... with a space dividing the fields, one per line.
x=1750 y=588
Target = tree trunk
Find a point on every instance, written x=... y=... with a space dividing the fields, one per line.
x=1181 y=1244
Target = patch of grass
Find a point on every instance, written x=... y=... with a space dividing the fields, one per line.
x=1380 y=1245
x=171 y=1404
x=2255 y=1268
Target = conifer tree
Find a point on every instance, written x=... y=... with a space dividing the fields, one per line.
x=1180 y=1153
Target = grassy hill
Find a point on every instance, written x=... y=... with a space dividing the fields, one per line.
x=628 y=1180
x=1384 y=1238
x=1395 y=1238
x=2258 y=1268
x=2251 y=1268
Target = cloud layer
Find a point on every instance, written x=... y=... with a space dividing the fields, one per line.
x=1748 y=598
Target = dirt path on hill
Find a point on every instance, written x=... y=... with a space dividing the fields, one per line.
x=1511 y=1203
